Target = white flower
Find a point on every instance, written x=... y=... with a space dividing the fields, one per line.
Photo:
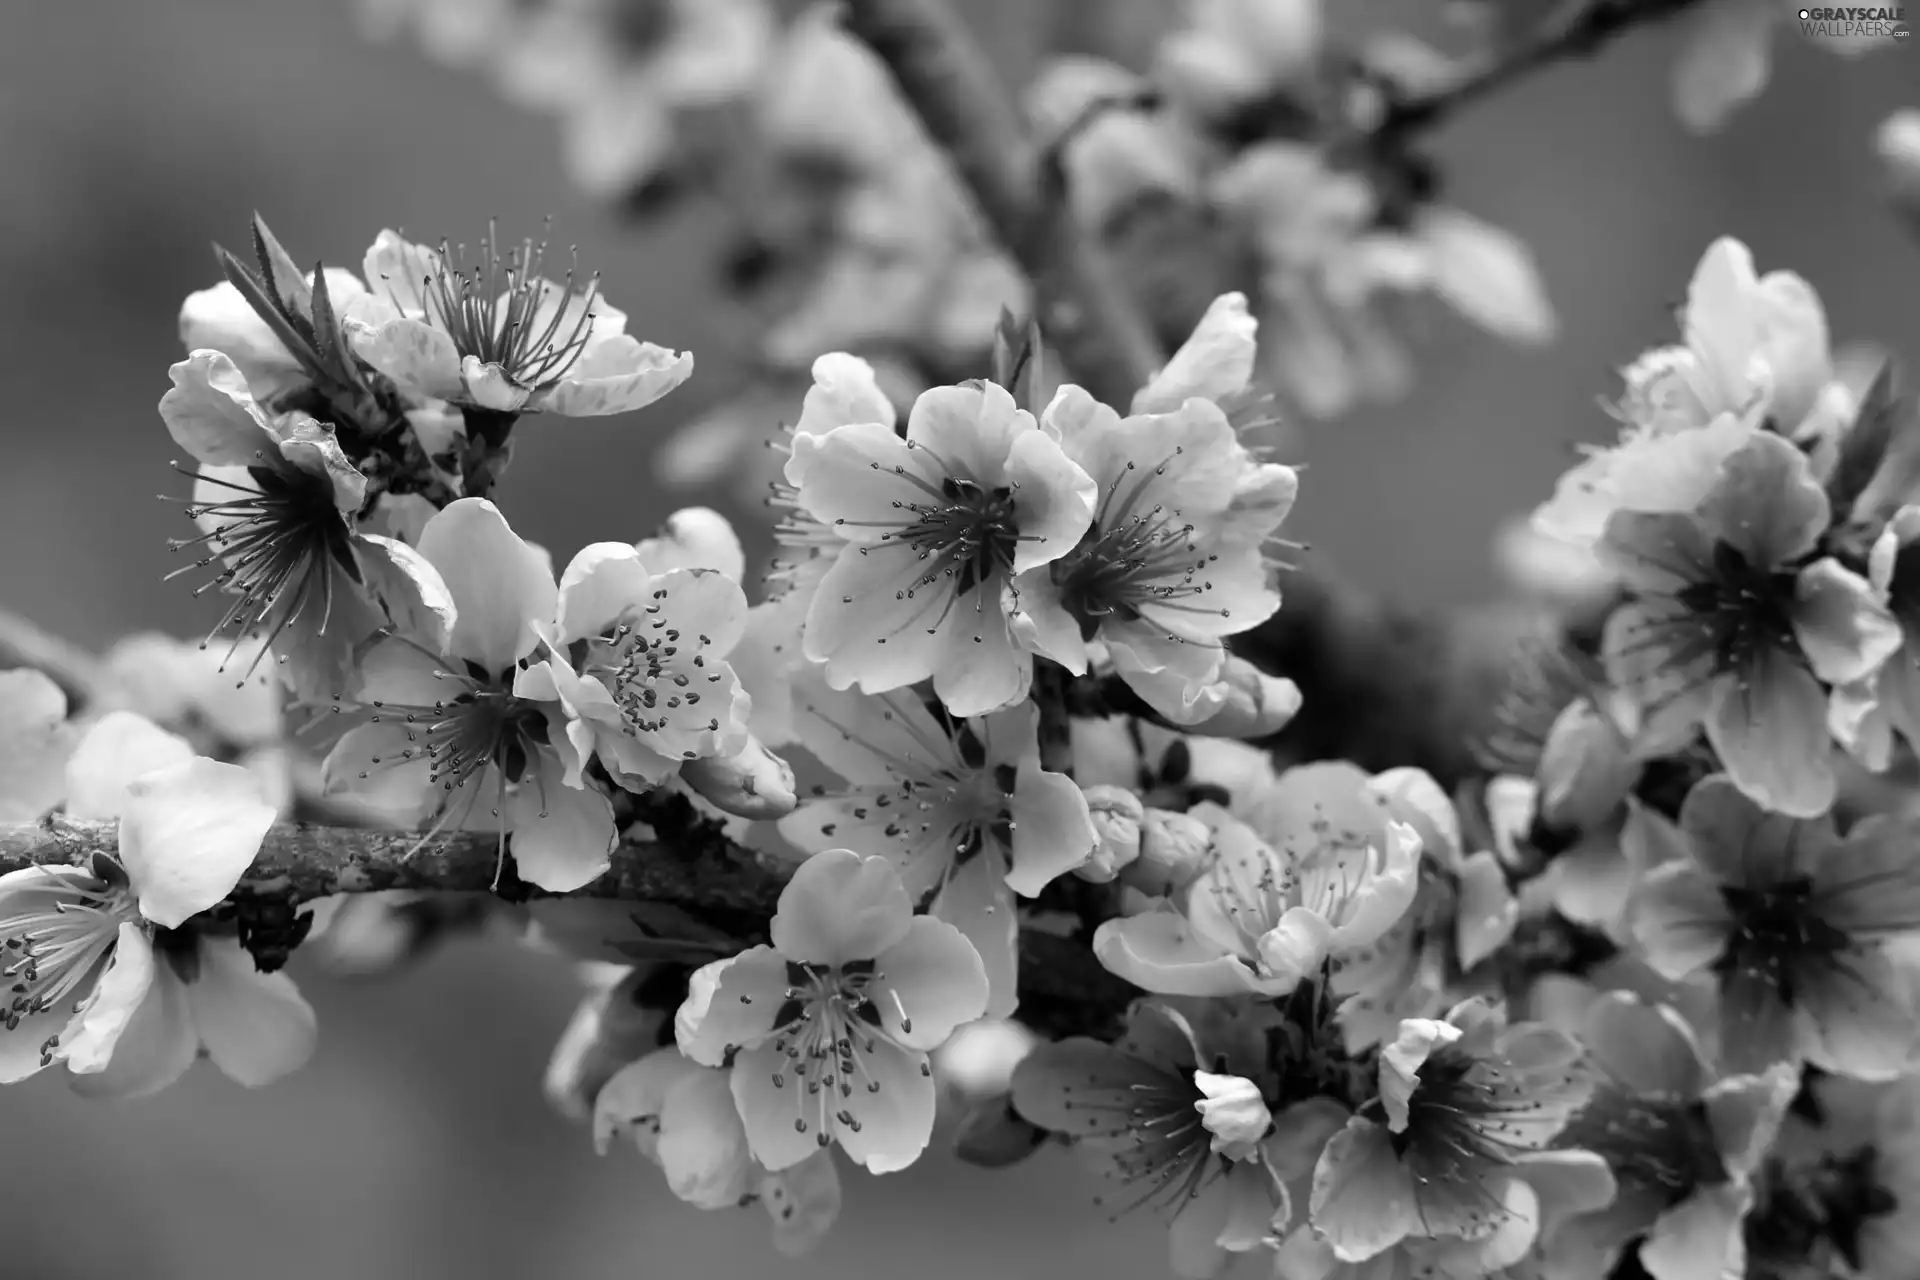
x=1175 y=560
x=108 y=976
x=1755 y=352
x=498 y=336
x=961 y=807
x=936 y=528
x=1236 y=52
x=462 y=729
x=276 y=499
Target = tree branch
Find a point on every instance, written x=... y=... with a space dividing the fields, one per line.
x=1579 y=28
x=712 y=888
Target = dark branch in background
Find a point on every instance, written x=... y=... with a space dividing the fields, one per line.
x=1578 y=29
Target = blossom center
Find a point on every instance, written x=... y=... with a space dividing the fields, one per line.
x=1776 y=930
x=282 y=545
x=643 y=665
x=54 y=944
x=1139 y=552
x=826 y=1030
x=1662 y=1146
x=481 y=723
x=501 y=311
x=1743 y=611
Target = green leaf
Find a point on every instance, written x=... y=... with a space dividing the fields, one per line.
x=326 y=332
x=260 y=297
x=278 y=267
x=1864 y=446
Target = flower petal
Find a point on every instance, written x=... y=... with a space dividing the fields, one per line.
x=1870 y=886
x=892 y=1124
x=976 y=901
x=255 y=1026
x=1680 y=920
x=845 y=390
x=130 y=979
x=563 y=836
x=840 y=907
x=187 y=835
x=502 y=588
x=1770 y=731
x=803 y=1201
x=702 y=1145
x=1737 y=842
x=616 y=375
x=1767 y=505
x=1844 y=630
x=117 y=748
x=695 y=538
x=416 y=354
x=928 y=984
x=783 y=1124
x=1364 y=1200
x=1053 y=830
x=1728 y=56
x=1700 y=1238
x=1647 y=1048
x=731 y=1004
x=1863 y=1012
x=1214 y=363
x=1052 y=497
x=210 y=412
x=1160 y=951
x=155 y=1049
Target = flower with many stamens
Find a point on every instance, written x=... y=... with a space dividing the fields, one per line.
x=936 y=529
x=462 y=730
x=827 y=1030
x=1754 y=353
x=963 y=809
x=277 y=501
x=640 y=646
x=1683 y=1146
x=1175 y=560
x=1736 y=624
x=1329 y=872
x=1461 y=1102
x=497 y=337
x=1144 y=1111
x=681 y=1116
x=100 y=960
x=1792 y=923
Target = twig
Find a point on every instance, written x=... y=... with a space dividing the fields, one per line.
x=1579 y=28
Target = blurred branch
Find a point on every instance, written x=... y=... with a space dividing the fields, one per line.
x=1579 y=28
x=1087 y=313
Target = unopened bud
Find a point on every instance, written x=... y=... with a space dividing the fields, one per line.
x=1233 y=1112
x=752 y=783
x=1116 y=820
x=1173 y=850
x=1585 y=770
x=1899 y=146
x=1256 y=705
x=610 y=1029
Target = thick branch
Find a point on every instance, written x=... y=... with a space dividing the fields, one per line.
x=718 y=890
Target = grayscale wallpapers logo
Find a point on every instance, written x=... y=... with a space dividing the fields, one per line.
x=1883 y=22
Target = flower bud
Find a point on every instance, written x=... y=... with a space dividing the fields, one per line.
x=1116 y=820
x=1234 y=1113
x=1173 y=850
x=1899 y=145
x=1585 y=771
x=752 y=783
x=608 y=1030
x=1256 y=705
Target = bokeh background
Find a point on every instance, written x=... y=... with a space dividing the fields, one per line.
x=132 y=132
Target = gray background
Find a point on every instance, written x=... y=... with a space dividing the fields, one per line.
x=134 y=131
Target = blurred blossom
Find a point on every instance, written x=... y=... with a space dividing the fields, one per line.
x=1898 y=144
